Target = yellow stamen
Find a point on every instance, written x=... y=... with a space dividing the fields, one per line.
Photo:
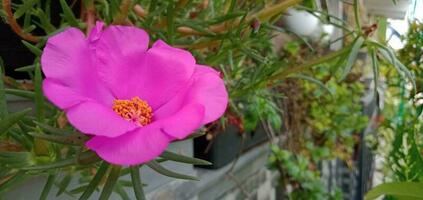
x=135 y=110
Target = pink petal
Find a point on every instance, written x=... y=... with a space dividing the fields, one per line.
x=155 y=75
x=67 y=58
x=96 y=119
x=206 y=89
x=209 y=90
x=96 y=32
x=184 y=122
x=139 y=146
x=62 y=96
x=120 y=42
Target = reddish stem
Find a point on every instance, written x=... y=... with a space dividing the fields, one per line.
x=14 y=24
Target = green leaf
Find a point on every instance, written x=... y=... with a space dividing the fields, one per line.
x=77 y=140
x=121 y=191
x=79 y=189
x=382 y=25
x=44 y=21
x=87 y=157
x=55 y=131
x=197 y=27
x=69 y=16
x=35 y=50
x=419 y=110
x=64 y=183
x=352 y=57
x=28 y=4
x=136 y=182
x=21 y=136
x=292 y=47
x=161 y=170
x=21 y=93
x=170 y=21
x=400 y=190
x=28 y=68
x=401 y=69
x=11 y=119
x=14 y=180
x=47 y=186
x=196 y=135
x=3 y=104
x=313 y=80
x=110 y=183
x=39 y=98
x=16 y=159
x=95 y=181
x=227 y=17
x=405 y=158
x=183 y=159
x=375 y=67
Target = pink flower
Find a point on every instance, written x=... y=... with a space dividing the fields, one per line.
x=133 y=100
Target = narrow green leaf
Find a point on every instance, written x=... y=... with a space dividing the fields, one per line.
x=121 y=192
x=20 y=93
x=137 y=183
x=183 y=159
x=47 y=186
x=375 y=67
x=35 y=50
x=196 y=135
x=11 y=119
x=44 y=21
x=21 y=136
x=227 y=17
x=3 y=104
x=47 y=8
x=28 y=4
x=411 y=190
x=161 y=170
x=419 y=110
x=352 y=57
x=199 y=28
x=79 y=189
x=27 y=22
x=39 y=98
x=110 y=183
x=69 y=139
x=64 y=183
x=56 y=131
x=28 y=68
x=14 y=180
x=78 y=160
x=95 y=181
x=315 y=81
x=170 y=22
x=69 y=16
x=401 y=69
x=16 y=159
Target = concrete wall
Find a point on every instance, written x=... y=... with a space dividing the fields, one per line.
x=248 y=178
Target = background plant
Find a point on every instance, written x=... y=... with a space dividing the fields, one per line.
x=401 y=131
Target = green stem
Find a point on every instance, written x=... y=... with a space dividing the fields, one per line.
x=273 y=10
x=95 y=181
x=328 y=57
x=111 y=181
x=48 y=186
x=357 y=16
x=137 y=183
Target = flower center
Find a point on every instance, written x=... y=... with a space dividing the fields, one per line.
x=135 y=110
